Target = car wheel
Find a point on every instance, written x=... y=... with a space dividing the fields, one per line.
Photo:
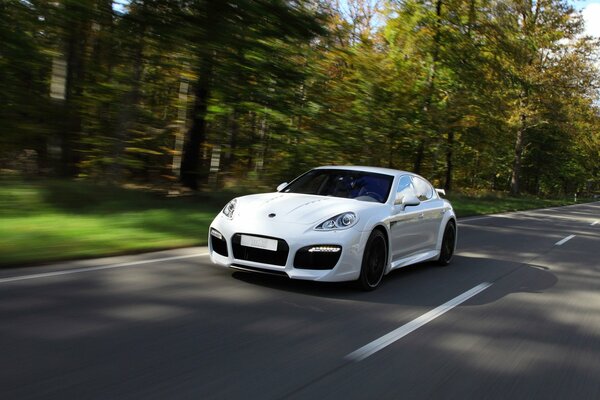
x=374 y=261
x=448 y=244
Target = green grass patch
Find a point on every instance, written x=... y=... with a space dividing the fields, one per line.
x=58 y=220
x=43 y=221
x=465 y=206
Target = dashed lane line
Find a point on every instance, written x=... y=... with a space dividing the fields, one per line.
x=397 y=334
x=565 y=240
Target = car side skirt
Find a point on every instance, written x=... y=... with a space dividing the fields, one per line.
x=414 y=259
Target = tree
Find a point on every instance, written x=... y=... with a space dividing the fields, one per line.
x=223 y=31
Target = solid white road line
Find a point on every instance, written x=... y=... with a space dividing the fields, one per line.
x=477 y=218
x=565 y=240
x=399 y=333
x=88 y=269
x=505 y=214
x=594 y=223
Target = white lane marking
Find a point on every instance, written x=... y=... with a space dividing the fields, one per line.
x=477 y=218
x=384 y=341
x=88 y=269
x=594 y=223
x=565 y=240
x=509 y=213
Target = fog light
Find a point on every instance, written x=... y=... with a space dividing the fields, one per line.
x=216 y=233
x=324 y=249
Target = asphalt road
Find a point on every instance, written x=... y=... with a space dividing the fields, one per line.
x=170 y=325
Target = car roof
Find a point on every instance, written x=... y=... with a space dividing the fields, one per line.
x=377 y=170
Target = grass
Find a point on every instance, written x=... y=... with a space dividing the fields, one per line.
x=44 y=221
x=490 y=204
x=60 y=220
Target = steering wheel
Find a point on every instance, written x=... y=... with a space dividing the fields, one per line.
x=374 y=195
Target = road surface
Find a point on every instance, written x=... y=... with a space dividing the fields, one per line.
x=517 y=315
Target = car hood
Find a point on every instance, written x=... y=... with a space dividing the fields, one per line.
x=295 y=207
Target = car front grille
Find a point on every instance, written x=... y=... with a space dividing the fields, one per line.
x=278 y=257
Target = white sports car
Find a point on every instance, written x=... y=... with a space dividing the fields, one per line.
x=336 y=224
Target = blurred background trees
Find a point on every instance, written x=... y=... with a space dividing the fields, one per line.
x=472 y=94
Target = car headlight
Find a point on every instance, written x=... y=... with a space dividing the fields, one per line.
x=230 y=208
x=341 y=221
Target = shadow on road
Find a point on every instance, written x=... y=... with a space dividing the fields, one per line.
x=407 y=285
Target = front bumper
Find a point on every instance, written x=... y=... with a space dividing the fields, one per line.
x=295 y=237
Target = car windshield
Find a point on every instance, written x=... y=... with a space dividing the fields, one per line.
x=359 y=185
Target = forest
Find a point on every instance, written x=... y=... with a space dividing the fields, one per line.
x=491 y=95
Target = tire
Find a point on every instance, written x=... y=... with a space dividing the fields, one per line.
x=374 y=262
x=448 y=244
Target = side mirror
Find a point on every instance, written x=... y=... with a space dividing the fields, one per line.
x=407 y=200
x=280 y=187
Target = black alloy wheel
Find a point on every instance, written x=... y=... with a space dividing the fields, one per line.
x=448 y=244
x=374 y=261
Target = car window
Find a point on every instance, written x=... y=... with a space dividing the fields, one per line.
x=405 y=186
x=359 y=185
x=312 y=183
x=423 y=189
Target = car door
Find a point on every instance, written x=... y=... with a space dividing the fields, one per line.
x=430 y=214
x=406 y=235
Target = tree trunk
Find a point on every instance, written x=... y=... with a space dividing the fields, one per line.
x=76 y=39
x=191 y=166
x=449 y=167
x=252 y=135
x=391 y=150
x=528 y=23
x=419 y=157
x=260 y=152
x=516 y=171
x=239 y=81
x=182 y=120
x=128 y=111
x=234 y=129
x=430 y=86
x=472 y=16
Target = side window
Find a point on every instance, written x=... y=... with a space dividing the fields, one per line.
x=405 y=186
x=423 y=190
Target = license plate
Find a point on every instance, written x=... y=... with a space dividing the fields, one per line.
x=259 y=242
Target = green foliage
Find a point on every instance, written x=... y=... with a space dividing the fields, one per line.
x=473 y=94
